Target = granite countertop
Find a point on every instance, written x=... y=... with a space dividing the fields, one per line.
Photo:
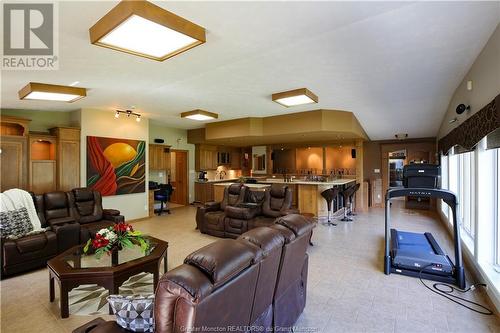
x=303 y=182
x=248 y=185
x=216 y=181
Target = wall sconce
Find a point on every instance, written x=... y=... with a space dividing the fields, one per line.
x=128 y=113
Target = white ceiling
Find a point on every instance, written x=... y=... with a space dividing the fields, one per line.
x=394 y=64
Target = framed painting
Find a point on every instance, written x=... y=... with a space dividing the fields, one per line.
x=116 y=166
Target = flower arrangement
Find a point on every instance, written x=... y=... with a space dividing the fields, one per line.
x=119 y=236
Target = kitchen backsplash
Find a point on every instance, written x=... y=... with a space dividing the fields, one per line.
x=215 y=174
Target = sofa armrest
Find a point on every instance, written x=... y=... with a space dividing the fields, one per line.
x=212 y=206
x=241 y=213
x=113 y=215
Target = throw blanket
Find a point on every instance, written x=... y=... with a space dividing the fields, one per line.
x=15 y=199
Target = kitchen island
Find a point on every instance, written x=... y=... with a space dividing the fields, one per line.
x=306 y=194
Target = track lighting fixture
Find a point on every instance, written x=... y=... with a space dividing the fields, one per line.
x=128 y=113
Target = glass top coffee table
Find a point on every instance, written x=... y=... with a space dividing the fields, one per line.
x=73 y=268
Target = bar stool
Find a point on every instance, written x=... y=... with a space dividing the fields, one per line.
x=346 y=194
x=351 y=199
x=329 y=195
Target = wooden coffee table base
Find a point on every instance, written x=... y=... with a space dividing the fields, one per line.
x=109 y=278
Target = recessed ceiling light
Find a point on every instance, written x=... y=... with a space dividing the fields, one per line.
x=199 y=115
x=51 y=92
x=295 y=97
x=144 y=29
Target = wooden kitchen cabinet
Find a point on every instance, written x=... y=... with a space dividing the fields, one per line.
x=203 y=192
x=13 y=153
x=236 y=158
x=42 y=167
x=159 y=157
x=205 y=157
x=67 y=157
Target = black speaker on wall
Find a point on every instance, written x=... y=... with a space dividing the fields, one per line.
x=353 y=153
x=159 y=141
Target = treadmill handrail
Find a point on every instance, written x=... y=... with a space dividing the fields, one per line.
x=449 y=197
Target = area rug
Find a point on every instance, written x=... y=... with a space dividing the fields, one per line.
x=90 y=299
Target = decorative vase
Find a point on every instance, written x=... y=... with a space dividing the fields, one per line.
x=114 y=254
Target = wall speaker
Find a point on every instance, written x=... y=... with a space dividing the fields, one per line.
x=353 y=153
x=159 y=141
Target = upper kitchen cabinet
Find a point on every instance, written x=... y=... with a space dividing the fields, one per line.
x=205 y=157
x=14 y=153
x=159 y=157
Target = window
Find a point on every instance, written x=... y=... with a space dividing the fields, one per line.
x=466 y=191
x=453 y=180
x=497 y=222
x=444 y=182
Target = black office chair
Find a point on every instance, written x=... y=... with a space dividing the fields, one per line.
x=163 y=195
x=329 y=195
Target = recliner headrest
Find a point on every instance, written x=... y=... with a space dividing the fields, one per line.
x=278 y=190
x=234 y=188
x=265 y=238
x=55 y=200
x=222 y=260
x=83 y=194
x=297 y=223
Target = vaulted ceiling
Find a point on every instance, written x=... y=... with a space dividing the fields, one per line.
x=395 y=65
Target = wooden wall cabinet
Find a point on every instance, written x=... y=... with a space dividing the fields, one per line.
x=14 y=153
x=159 y=157
x=42 y=163
x=205 y=157
x=67 y=157
x=235 y=158
x=203 y=192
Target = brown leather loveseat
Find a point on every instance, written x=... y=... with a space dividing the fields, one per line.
x=258 y=280
x=72 y=216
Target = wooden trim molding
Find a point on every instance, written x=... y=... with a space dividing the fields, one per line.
x=52 y=88
x=474 y=129
x=151 y=12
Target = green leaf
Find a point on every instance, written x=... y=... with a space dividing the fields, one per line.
x=87 y=245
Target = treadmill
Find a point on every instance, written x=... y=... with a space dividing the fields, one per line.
x=416 y=254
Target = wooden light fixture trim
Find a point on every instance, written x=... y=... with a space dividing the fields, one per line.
x=125 y=9
x=293 y=93
x=52 y=88
x=199 y=112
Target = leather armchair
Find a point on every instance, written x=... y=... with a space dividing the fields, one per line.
x=210 y=218
x=88 y=211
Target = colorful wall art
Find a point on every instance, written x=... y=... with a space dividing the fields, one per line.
x=116 y=166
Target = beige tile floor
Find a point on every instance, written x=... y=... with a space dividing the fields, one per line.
x=347 y=291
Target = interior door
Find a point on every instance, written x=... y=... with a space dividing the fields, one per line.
x=179 y=177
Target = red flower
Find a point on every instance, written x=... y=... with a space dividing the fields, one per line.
x=99 y=241
x=122 y=227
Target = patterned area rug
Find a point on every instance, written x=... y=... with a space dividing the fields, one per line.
x=90 y=299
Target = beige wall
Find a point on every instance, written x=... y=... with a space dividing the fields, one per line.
x=41 y=121
x=101 y=123
x=485 y=76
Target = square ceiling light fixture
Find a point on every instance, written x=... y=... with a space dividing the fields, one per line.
x=51 y=92
x=199 y=115
x=295 y=97
x=141 y=28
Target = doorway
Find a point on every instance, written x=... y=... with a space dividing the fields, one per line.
x=179 y=176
